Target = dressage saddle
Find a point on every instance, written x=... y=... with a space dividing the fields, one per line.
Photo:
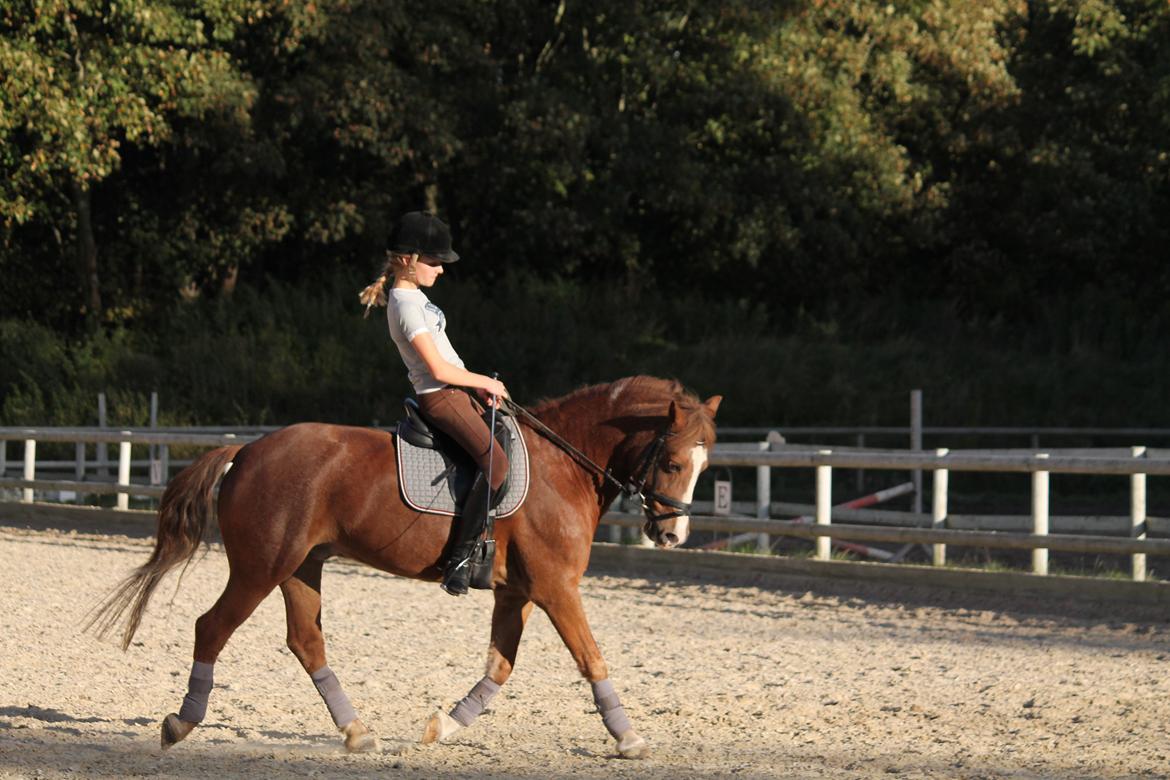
x=461 y=469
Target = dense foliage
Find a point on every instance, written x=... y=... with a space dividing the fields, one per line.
x=290 y=352
x=847 y=174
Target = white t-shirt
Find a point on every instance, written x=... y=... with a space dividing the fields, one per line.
x=409 y=313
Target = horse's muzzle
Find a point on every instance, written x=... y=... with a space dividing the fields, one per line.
x=668 y=534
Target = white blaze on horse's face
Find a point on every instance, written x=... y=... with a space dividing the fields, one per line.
x=698 y=463
x=674 y=532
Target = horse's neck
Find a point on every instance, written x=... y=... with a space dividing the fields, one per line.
x=593 y=427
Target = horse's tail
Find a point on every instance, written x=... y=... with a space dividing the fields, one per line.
x=183 y=515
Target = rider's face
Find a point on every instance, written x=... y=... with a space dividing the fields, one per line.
x=427 y=270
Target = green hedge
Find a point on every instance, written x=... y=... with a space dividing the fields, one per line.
x=276 y=354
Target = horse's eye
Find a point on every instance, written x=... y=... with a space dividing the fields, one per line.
x=672 y=468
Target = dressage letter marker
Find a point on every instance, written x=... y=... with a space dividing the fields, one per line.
x=722 y=497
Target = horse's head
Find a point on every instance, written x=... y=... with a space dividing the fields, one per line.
x=670 y=466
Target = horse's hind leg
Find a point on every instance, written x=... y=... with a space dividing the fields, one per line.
x=212 y=631
x=508 y=619
x=302 y=605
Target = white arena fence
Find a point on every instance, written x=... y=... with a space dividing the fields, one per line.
x=936 y=528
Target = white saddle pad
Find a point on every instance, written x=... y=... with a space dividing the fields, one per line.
x=427 y=477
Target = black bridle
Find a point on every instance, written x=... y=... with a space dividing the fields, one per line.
x=635 y=486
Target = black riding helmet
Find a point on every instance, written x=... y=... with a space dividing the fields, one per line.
x=421 y=232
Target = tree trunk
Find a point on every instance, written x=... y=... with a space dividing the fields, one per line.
x=87 y=252
x=230 y=276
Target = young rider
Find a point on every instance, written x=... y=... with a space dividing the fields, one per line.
x=420 y=247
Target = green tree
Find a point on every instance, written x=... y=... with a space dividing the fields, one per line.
x=1063 y=192
x=82 y=80
x=808 y=154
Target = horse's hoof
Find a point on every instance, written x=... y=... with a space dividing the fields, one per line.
x=631 y=745
x=358 y=738
x=440 y=727
x=174 y=730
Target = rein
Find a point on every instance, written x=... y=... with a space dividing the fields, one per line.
x=635 y=487
x=580 y=457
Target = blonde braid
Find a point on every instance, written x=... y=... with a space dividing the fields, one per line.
x=375 y=293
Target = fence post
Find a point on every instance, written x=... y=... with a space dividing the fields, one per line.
x=103 y=455
x=939 y=508
x=1137 y=514
x=164 y=458
x=124 y=473
x=1040 y=516
x=79 y=461
x=916 y=444
x=30 y=467
x=3 y=457
x=152 y=450
x=861 y=472
x=824 y=506
x=764 y=497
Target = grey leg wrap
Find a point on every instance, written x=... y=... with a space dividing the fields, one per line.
x=475 y=702
x=335 y=699
x=198 y=689
x=613 y=715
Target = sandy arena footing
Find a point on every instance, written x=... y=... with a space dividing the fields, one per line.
x=816 y=680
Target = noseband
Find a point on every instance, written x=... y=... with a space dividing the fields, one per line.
x=636 y=486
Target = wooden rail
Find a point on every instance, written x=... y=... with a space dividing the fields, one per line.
x=954 y=460
x=158 y=442
x=763 y=457
x=1077 y=543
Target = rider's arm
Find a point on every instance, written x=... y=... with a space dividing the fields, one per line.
x=449 y=374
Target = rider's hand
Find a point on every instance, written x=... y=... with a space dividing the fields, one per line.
x=492 y=394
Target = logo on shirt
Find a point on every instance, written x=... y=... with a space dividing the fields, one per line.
x=439 y=316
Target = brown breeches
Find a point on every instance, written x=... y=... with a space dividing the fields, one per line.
x=455 y=412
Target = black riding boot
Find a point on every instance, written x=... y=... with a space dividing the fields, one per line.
x=457 y=572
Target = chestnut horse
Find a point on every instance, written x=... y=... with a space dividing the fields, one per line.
x=295 y=497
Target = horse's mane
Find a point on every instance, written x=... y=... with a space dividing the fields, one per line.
x=637 y=396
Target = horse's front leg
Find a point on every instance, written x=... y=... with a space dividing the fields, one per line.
x=508 y=619
x=567 y=614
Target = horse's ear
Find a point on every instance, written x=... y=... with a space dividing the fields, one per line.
x=712 y=404
x=673 y=416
